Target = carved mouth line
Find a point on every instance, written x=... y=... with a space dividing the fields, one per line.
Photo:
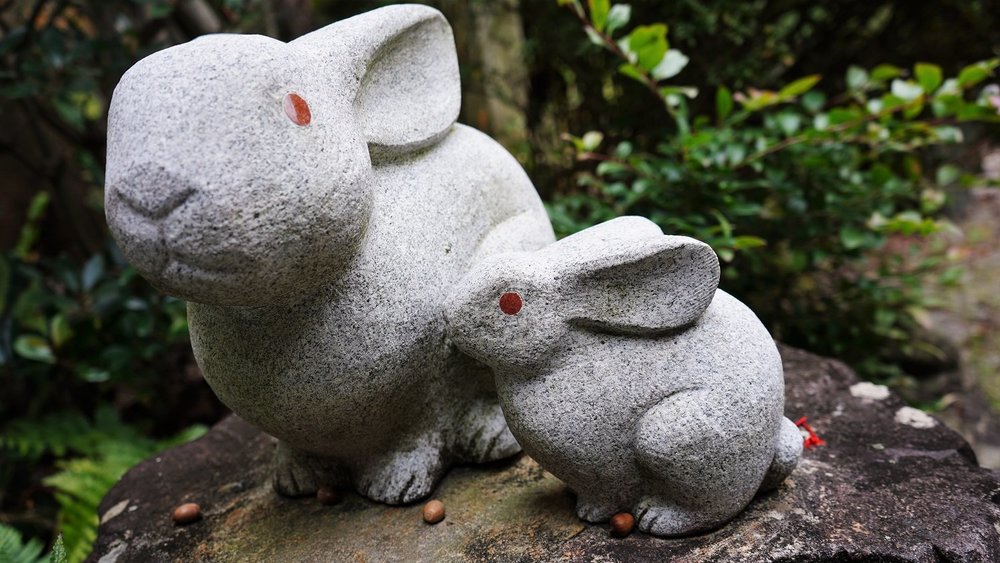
x=219 y=263
x=185 y=267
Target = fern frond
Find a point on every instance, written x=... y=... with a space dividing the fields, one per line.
x=14 y=549
x=58 y=554
x=81 y=483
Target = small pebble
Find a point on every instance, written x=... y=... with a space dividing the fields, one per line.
x=434 y=512
x=186 y=513
x=622 y=524
x=327 y=495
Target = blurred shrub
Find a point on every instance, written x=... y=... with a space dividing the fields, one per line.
x=95 y=363
x=73 y=341
x=795 y=190
x=92 y=457
x=739 y=43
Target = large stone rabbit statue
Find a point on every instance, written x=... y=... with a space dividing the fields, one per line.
x=316 y=202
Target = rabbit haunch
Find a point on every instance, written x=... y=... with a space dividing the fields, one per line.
x=630 y=376
x=312 y=236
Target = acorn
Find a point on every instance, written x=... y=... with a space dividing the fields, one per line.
x=327 y=496
x=622 y=524
x=434 y=512
x=186 y=513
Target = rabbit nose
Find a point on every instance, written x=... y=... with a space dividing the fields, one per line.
x=154 y=192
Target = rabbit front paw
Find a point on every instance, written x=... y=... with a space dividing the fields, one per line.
x=403 y=477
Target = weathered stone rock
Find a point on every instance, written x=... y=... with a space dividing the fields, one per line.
x=627 y=374
x=879 y=490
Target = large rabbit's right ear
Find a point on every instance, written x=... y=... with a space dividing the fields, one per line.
x=400 y=65
x=641 y=285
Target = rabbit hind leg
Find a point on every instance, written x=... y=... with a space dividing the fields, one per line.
x=787 y=451
x=597 y=508
x=699 y=469
x=298 y=474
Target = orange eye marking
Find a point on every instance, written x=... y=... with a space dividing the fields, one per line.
x=297 y=109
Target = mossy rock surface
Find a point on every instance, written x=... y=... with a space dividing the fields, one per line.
x=885 y=487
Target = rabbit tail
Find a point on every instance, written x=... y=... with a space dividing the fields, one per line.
x=787 y=450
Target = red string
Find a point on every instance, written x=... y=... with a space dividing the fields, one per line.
x=812 y=440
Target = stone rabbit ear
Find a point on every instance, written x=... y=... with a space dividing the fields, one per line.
x=641 y=286
x=401 y=67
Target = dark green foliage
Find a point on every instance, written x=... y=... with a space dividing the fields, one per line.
x=93 y=456
x=14 y=549
x=74 y=339
x=796 y=191
x=739 y=43
x=83 y=340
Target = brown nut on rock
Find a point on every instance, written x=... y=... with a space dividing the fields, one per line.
x=622 y=524
x=434 y=512
x=186 y=513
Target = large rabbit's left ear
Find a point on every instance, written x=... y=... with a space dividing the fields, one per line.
x=399 y=66
x=644 y=287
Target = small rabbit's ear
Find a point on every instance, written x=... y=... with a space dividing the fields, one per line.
x=401 y=67
x=642 y=286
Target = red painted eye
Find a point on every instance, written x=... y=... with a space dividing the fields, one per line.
x=510 y=303
x=297 y=109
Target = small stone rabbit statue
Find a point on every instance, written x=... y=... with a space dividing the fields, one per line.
x=624 y=371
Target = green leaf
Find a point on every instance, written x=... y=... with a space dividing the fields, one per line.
x=610 y=168
x=857 y=77
x=814 y=101
x=599 y=13
x=632 y=72
x=684 y=91
x=929 y=76
x=672 y=63
x=647 y=44
x=592 y=140
x=618 y=17
x=951 y=276
x=947 y=174
x=759 y=99
x=594 y=37
x=723 y=103
x=29 y=232
x=789 y=122
x=972 y=75
x=34 y=347
x=906 y=90
x=885 y=72
x=59 y=330
x=92 y=272
x=799 y=87
x=853 y=237
x=745 y=241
